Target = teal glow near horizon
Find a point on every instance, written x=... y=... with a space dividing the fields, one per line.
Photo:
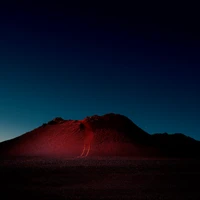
x=77 y=66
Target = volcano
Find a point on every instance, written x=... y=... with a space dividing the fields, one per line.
x=107 y=135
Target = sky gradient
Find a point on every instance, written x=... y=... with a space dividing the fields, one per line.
x=75 y=61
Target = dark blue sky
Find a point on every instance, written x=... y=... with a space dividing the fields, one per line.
x=79 y=60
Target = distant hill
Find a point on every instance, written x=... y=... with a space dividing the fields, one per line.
x=177 y=145
x=114 y=135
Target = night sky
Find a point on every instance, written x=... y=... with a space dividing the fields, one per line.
x=83 y=59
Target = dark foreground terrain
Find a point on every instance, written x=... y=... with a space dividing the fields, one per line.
x=96 y=178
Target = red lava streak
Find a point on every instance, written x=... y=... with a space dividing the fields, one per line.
x=88 y=136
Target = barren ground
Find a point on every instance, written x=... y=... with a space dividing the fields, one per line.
x=99 y=178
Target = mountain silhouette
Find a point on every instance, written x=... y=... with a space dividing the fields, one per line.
x=107 y=135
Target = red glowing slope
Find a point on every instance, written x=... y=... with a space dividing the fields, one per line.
x=113 y=135
x=47 y=140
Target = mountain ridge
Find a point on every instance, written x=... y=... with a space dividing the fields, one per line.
x=114 y=135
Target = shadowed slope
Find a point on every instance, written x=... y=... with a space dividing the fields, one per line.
x=176 y=145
